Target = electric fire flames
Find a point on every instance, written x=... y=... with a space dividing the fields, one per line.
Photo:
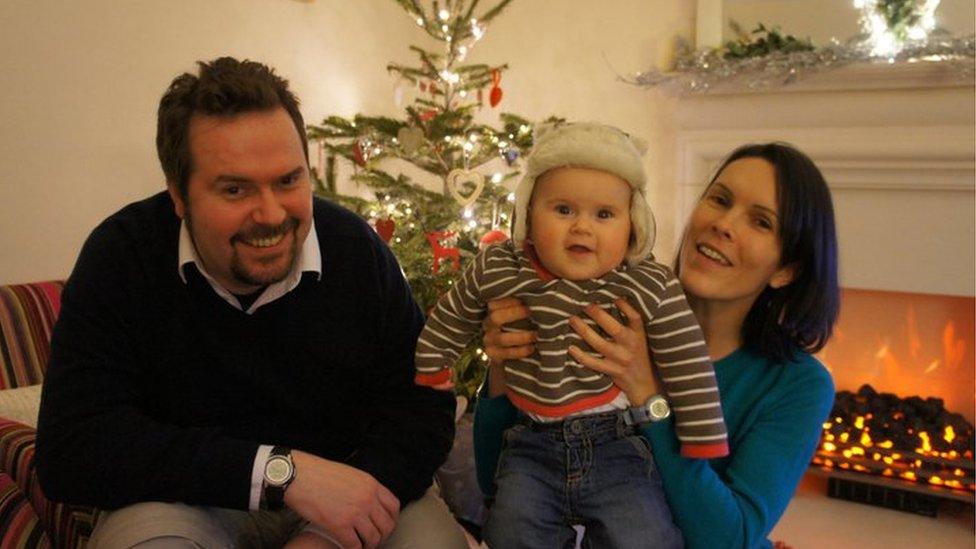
x=914 y=439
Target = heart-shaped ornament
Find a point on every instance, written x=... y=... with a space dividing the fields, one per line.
x=465 y=185
x=410 y=138
x=385 y=228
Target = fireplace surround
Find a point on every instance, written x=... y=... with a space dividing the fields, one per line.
x=896 y=144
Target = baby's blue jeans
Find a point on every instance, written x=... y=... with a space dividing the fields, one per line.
x=590 y=470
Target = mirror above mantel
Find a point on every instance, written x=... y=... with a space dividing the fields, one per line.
x=820 y=20
x=896 y=144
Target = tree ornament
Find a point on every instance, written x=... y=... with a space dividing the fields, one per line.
x=358 y=154
x=495 y=97
x=492 y=237
x=410 y=138
x=385 y=228
x=461 y=181
x=510 y=155
x=427 y=115
x=443 y=252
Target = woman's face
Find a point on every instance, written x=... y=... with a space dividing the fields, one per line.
x=731 y=248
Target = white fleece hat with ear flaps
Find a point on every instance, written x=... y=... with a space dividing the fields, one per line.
x=595 y=146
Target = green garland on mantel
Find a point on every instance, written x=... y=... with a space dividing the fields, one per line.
x=762 y=41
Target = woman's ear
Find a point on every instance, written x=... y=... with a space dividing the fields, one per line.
x=783 y=276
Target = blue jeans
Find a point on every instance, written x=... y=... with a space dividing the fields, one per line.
x=590 y=470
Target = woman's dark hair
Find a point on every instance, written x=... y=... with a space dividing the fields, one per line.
x=801 y=314
x=225 y=87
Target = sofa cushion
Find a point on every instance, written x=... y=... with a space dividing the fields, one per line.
x=18 y=521
x=67 y=526
x=27 y=315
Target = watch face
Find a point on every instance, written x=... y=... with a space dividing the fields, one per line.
x=659 y=408
x=277 y=471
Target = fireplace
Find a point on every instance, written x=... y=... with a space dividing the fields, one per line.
x=903 y=416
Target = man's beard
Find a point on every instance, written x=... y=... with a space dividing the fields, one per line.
x=260 y=278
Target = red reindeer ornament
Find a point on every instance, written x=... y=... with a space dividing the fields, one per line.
x=443 y=252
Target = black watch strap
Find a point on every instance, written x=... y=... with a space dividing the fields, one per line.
x=279 y=471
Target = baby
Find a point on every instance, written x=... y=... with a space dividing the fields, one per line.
x=583 y=233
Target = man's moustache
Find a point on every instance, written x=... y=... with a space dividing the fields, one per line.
x=264 y=231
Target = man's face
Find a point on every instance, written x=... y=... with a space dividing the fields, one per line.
x=249 y=199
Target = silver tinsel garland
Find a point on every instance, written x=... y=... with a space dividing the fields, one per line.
x=699 y=71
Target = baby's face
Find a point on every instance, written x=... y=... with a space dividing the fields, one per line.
x=579 y=222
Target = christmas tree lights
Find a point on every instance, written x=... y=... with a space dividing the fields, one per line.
x=434 y=232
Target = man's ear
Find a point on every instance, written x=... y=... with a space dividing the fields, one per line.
x=174 y=193
x=783 y=277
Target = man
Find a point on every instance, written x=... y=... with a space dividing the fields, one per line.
x=234 y=358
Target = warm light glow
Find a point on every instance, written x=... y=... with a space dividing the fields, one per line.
x=844 y=437
x=950 y=434
x=935 y=480
x=926 y=446
x=884 y=43
x=910 y=475
x=859 y=422
x=829 y=446
x=866 y=439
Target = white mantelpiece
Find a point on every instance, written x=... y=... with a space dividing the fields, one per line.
x=896 y=144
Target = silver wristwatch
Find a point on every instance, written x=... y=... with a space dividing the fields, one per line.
x=655 y=409
x=279 y=471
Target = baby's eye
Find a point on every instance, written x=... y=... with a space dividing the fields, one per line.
x=563 y=209
x=605 y=214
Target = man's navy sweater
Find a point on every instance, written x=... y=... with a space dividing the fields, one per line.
x=159 y=390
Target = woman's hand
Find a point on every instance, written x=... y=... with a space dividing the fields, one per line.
x=625 y=357
x=501 y=346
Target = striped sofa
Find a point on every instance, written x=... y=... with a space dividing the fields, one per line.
x=27 y=518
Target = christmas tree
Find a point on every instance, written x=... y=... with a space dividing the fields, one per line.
x=435 y=232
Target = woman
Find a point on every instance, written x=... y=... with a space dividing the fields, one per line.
x=758 y=262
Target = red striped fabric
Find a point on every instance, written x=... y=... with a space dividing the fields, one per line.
x=18 y=522
x=27 y=315
x=61 y=525
x=27 y=518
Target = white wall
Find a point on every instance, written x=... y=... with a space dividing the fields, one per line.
x=82 y=80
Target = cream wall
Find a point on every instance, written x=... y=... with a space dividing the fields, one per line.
x=82 y=81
